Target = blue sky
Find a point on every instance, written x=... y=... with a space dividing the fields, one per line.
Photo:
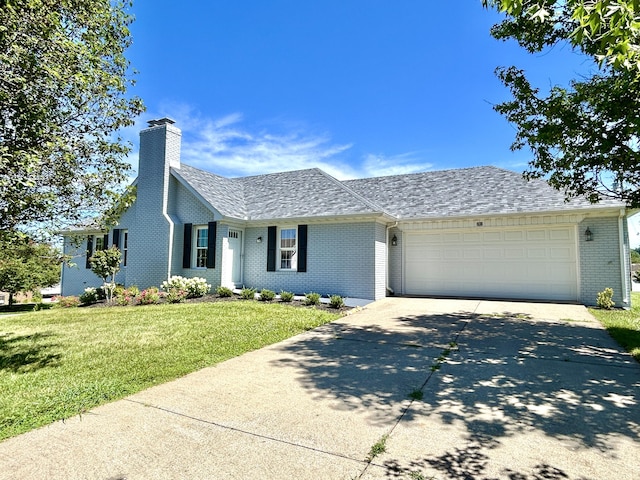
x=357 y=88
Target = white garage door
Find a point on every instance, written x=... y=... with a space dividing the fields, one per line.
x=527 y=263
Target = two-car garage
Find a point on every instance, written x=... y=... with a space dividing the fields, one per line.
x=515 y=262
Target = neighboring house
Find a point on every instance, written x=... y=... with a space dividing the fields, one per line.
x=474 y=232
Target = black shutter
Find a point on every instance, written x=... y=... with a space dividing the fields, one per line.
x=89 y=250
x=105 y=242
x=302 y=248
x=211 y=245
x=116 y=237
x=186 y=247
x=271 y=249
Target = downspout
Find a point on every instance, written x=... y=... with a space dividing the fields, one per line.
x=623 y=270
x=386 y=279
x=165 y=201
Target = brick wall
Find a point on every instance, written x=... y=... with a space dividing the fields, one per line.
x=395 y=262
x=341 y=259
x=600 y=260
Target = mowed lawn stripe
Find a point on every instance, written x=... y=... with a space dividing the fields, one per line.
x=57 y=363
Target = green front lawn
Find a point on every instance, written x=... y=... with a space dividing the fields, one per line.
x=623 y=325
x=57 y=363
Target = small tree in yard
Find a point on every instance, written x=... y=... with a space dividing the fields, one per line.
x=105 y=264
x=26 y=265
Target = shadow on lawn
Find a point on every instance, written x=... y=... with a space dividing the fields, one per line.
x=506 y=375
x=26 y=353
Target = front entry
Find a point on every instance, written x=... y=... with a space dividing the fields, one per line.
x=232 y=259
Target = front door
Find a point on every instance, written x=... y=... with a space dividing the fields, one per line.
x=235 y=251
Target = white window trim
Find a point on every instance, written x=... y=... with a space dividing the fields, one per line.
x=294 y=259
x=95 y=243
x=124 y=242
x=195 y=248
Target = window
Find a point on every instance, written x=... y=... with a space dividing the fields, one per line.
x=201 y=246
x=99 y=243
x=125 y=247
x=288 y=245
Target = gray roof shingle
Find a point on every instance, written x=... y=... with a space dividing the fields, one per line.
x=313 y=193
x=467 y=191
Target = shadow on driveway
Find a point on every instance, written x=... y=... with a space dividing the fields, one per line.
x=514 y=398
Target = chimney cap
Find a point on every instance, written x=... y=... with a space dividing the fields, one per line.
x=161 y=121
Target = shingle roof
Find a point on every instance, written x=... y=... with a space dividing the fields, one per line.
x=296 y=194
x=224 y=194
x=460 y=192
x=314 y=193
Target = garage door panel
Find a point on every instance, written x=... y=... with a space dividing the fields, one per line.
x=535 y=263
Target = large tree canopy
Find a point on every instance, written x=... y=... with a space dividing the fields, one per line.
x=584 y=137
x=63 y=98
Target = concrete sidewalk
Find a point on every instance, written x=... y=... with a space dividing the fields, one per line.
x=508 y=391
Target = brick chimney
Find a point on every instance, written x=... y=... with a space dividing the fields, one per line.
x=151 y=236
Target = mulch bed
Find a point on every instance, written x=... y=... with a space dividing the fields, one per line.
x=212 y=298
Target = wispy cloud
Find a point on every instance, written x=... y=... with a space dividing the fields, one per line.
x=382 y=165
x=230 y=146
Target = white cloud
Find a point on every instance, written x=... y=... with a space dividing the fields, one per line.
x=228 y=146
x=381 y=165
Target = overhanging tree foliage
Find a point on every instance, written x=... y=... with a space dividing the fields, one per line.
x=585 y=137
x=63 y=98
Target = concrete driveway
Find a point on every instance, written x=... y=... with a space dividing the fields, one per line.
x=454 y=389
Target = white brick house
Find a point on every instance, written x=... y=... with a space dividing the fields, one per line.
x=475 y=232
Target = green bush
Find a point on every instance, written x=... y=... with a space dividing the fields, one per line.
x=248 y=293
x=175 y=295
x=336 y=301
x=312 y=298
x=89 y=296
x=267 y=295
x=286 y=296
x=605 y=299
x=224 y=291
x=67 y=302
x=149 y=296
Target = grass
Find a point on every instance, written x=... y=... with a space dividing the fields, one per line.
x=58 y=363
x=623 y=325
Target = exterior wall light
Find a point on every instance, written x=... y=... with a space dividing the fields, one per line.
x=394 y=241
x=588 y=236
x=259 y=240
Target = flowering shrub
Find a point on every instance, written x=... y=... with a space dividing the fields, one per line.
x=90 y=295
x=175 y=295
x=126 y=296
x=66 y=302
x=149 y=296
x=195 y=287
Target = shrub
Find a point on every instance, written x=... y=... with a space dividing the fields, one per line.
x=248 y=293
x=336 y=301
x=126 y=296
x=224 y=291
x=605 y=299
x=195 y=287
x=286 y=296
x=312 y=298
x=67 y=302
x=636 y=276
x=149 y=296
x=175 y=295
x=90 y=295
x=267 y=295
